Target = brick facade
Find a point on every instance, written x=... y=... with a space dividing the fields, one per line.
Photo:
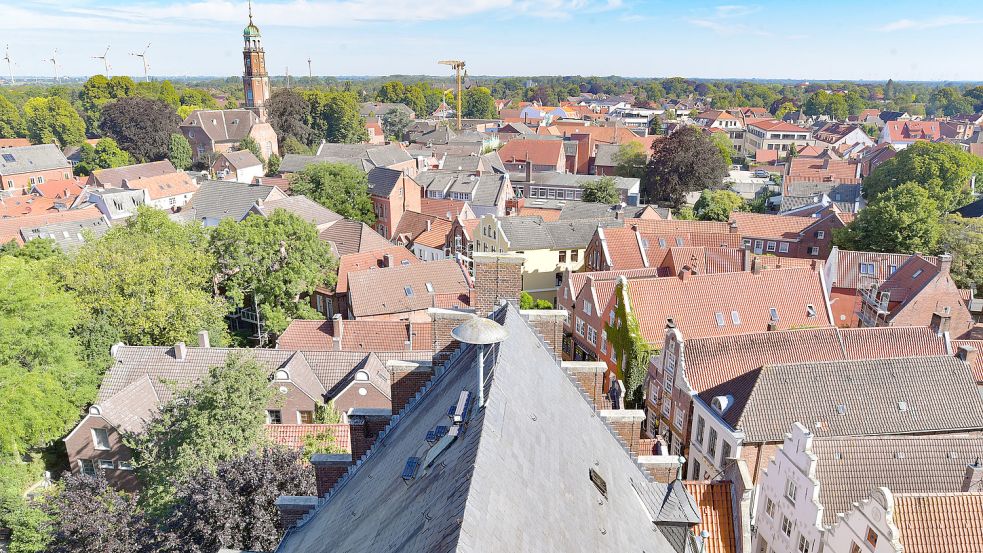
x=443 y=321
x=328 y=469
x=496 y=277
x=407 y=379
x=293 y=508
x=549 y=324
x=365 y=426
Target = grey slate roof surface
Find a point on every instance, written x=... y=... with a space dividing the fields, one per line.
x=532 y=233
x=222 y=125
x=68 y=235
x=569 y=179
x=974 y=209
x=119 y=202
x=837 y=192
x=515 y=479
x=574 y=210
x=605 y=155
x=869 y=391
x=363 y=156
x=485 y=190
x=240 y=159
x=849 y=468
x=303 y=207
x=220 y=199
x=27 y=159
x=382 y=181
x=493 y=160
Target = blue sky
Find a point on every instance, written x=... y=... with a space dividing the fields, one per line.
x=821 y=39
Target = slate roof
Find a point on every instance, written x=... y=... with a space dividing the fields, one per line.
x=348 y=237
x=939 y=523
x=356 y=335
x=241 y=159
x=869 y=391
x=403 y=289
x=68 y=235
x=485 y=190
x=533 y=233
x=548 y=178
x=303 y=207
x=383 y=180
x=378 y=109
x=605 y=155
x=534 y=438
x=32 y=159
x=849 y=468
x=119 y=202
x=132 y=407
x=573 y=210
x=222 y=125
x=222 y=199
x=974 y=209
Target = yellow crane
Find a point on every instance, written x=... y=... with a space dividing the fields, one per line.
x=457 y=66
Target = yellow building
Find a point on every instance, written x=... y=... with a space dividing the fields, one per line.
x=548 y=248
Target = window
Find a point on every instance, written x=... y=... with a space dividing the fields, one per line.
x=720 y=318
x=611 y=317
x=724 y=451
x=563 y=256
x=680 y=418
x=735 y=317
x=759 y=246
x=574 y=255
x=106 y=464
x=592 y=335
x=814 y=250
x=855 y=547
x=783 y=247
x=559 y=280
x=696 y=470
x=86 y=467
x=667 y=384
x=588 y=308
x=662 y=242
x=871 y=537
x=866 y=268
x=604 y=341
x=712 y=444
x=811 y=310
x=803 y=544
x=124 y=465
x=894 y=269
x=820 y=234
x=791 y=489
x=305 y=417
x=772 y=246
x=273 y=416
x=100 y=439
x=408 y=290
x=700 y=425
x=786 y=526
x=747 y=243
x=666 y=405
x=773 y=313
x=917 y=274
x=429 y=287
x=770 y=507
x=670 y=364
x=580 y=326
x=679 y=242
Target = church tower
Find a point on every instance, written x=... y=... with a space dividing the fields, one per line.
x=255 y=81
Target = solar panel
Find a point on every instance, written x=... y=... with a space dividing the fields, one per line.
x=409 y=471
x=9 y=158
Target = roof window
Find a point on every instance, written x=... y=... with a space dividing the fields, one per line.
x=903 y=406
x=735 y=317
x=598 y=482
x=720 y=319
x=841 y=409
x=9 y=158
x=917 y=273
x=811 y=310
x=773 y=313
x=408 y=290
x=430 y=288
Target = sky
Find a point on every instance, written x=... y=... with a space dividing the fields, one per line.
x=787 y=39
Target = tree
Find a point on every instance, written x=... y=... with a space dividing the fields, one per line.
x=234 y=506
x=602 y=191
x=274 y=260
x=975 y=95
x=288 y=112
x=221 y=418
x=784 y=109
x=630 y=160
x=105 y=155
x=167 y=94
x=335 y=116
x=151 y=280
x=889 y=90
x=273 y=164
x=179 y=152
x=477 y=103
x=293 y=146
x=963 y=238
x=140 y=126
x=85 y=513
x=11 y=123
x=717 y=205
x=249 y=143
x=198 y=97
x=53 y=121
x=944 y=170
x=394 y=123
x=655 y=126
x=683 y=162
x=724 y=146
x=340 y=187
x=904 y=219
x=526 y=301
x=391 y=92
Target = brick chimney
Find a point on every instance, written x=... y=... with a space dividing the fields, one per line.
x=755 y=266
x=339 y=330
x=685 y=273
x=967 y=353
x=748 y=260
x=387 y=260
x=443 y=321
x=940 y=322
x=549 y=324
x=945 y=263
x=293 y=508
x=328 y=469
x=203 y=340
x=406 y=379
x=973 y=481
x=732 y=227
x=497 y=276
x=364 y=425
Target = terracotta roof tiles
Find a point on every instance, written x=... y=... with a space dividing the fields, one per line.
x=356 y=335
x=292 y=435
x=715 y=505
x=940 y=523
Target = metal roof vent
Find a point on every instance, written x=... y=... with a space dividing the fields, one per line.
x=481 y=332
x=902 y=406
x=841 y=409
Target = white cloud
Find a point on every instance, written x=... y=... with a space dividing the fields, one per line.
x=932 y=23
x=736 y=10
x=727 y=28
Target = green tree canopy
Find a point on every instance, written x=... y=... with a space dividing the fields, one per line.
x=53 y=121
x=477 y=103
x=685 y=161
x=630 y=160
x=963 y=238
x=179 y=152
x=150 y=281
x=249 y=143
x=394 y=123
x=340 y=187
x=11 y=122
x=602 y=190
x=140 y=126
x=724 y=146
x=717 y=205
x=288 y=113
x=335 y=117
x=218 y=419
x=275 y=260
x=526 y=301
x=106 y=154
x=391 y=92
x=904 y=219
x=944 y=170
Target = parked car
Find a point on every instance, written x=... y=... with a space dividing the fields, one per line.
x=761 y=173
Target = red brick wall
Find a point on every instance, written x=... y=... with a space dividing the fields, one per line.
x=364 y=430
x=328 y=469
x=549 y=325
x=443 y=322
x=406 y=382
x=23 y=181
x=290 y=512
x=80 y=446
x=496 y=277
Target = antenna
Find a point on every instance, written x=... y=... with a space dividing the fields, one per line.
x=105 y=60
x=54 y=62
x=143 y=57
x=6 y=58
x=310 y=73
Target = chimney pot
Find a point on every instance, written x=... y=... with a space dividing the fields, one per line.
x=203 y=340
x=772 y=326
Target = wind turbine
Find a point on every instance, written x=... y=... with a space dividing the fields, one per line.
x=143 y=57
x=54 y=62
x=105 y=60
x=6 y=58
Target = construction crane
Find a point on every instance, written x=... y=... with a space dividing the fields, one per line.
x=54 y=62
x=105 y=60
x=6 y=58
x=457 y=66
x=143 y=58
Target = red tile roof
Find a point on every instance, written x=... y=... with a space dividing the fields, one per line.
x=292 y=435
x=538 y=152
x=426 y=230
x=14 y=142
x=164 y=186
x=443 y=208
x=365 y=261
x=404 y=289
x=715 y=505
x=910 y=131
x=10 y=228
x=824 y=169
x=59 y=189
x=940 y=523
x=977 y=364
x=777 y=227
x=356 y=335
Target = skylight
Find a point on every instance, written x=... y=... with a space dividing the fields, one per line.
x=735 y=317
x=408 y=290
x=917 y=273
x=720 y=319
x=430 y=287
x=811 y=310
x=774 y=313
x=9 y=158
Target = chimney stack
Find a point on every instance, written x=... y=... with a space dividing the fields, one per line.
x=945 y=263
x=973 y=481
x=203 y=341
x=180 y=351
x=755 y=266
x=967 y=353
x=328 y=469
x=293 y=508
x=338 y=333
x=941 y=321
x=733 y=227
x=387 y=260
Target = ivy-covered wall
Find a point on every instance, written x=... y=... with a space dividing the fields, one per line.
x=631 y=351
